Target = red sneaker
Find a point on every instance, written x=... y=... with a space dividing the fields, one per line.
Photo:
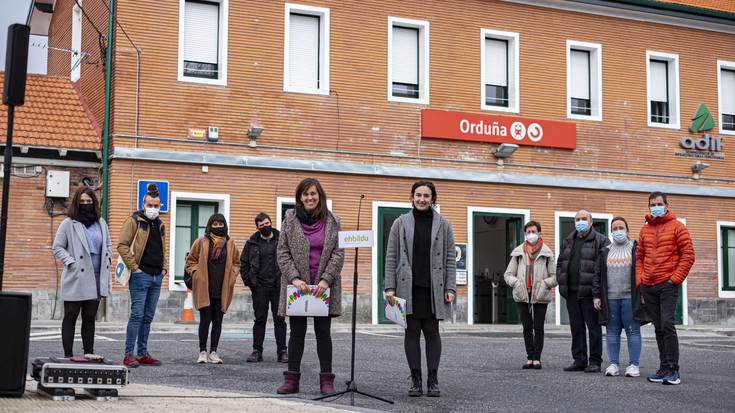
x=149 y=360
x=131 y=361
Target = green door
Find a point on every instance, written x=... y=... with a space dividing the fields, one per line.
x=513 y=237
x=191 y=221
x=386 y=217
x=566 y=226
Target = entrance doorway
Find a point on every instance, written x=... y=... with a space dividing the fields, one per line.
x=494 y=233
x=383 y=217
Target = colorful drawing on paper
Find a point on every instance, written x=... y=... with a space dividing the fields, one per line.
x=396 y=312
x=308 y=305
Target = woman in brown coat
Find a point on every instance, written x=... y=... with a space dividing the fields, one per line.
x=309 y=254
x=213 y=263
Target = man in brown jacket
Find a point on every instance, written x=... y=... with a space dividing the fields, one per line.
x=141 y=246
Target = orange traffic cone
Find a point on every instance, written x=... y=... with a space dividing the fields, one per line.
x=187 y=313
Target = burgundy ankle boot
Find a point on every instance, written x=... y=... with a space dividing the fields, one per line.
x=290 y=383
x=326 y=383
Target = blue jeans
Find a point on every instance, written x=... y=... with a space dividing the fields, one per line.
x=621 y=316
x=144 y=292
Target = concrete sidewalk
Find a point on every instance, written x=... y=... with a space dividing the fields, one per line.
x=150 y=398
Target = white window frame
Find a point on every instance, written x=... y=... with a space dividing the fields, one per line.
x=471 y=250
x=595 y=51
x=222 y=42
x=557 y=248
x=76 y=43
x=289 y=200
x=323 y=14
x=224 y=209
x=720 y=276
x=674 y=95
x=423 y=27
x=514 y=61
x=722 y=64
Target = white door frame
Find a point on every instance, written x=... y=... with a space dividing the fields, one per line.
x=720 y=276
x=376 y=294
x=684 y=292
x=526 y=213
x=557 y=247
x=224 y=209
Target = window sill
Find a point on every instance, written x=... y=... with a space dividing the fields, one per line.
x=591 y=118
x=664 y=125
x=731 y=133
x=510 y=109
x=321 y=92
x=726 y=294
x=203 y=81
x=415 y=101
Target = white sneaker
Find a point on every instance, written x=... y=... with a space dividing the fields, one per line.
x=202 y=357
x=612 y=370
x=632 y=371
x=93 y=357
x=214 y=358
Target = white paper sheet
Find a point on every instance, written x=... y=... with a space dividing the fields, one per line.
x=299 y=304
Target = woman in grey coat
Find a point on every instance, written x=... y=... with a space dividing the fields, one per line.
x=83 y=244
x=420 y=268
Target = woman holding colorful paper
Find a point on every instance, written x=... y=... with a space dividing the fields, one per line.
x=308 y=254
x=531 y=273
x=420 y=268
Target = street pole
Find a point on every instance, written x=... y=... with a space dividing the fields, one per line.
x=6 y=190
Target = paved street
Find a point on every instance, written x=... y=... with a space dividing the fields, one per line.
x=480 y=370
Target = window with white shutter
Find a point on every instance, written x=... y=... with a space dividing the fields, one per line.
x=499 y=70
x=727 y=96
x=580 y=82
x=203 y=41
x=663 y=89
x=584 y=80
x=408 y=63
x=306 y=49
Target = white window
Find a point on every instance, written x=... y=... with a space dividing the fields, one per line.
x=76 y=43
x=726 y=94
x=499 y=71
x=408 y=60
x=203 y=41
x=726 y=259
x=662 y=71
x=584 y=80
x=306 y=50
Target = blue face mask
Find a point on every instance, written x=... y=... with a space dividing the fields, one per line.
x=582 y=226
x=620 y=236
x=658 y=211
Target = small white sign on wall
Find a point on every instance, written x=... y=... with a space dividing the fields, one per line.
x=356 y=239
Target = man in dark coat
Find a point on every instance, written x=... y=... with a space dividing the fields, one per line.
x=578 y=271
x=259 y=271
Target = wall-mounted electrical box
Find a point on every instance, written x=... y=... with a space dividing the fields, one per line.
x=57 y=184
x=213 y=134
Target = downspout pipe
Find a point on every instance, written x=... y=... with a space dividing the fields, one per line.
x=106 y=124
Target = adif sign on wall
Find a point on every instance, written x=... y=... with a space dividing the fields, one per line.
x=473 y=127
x=705 y=146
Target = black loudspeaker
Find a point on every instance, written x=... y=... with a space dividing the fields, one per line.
x=16 y=64
x=15 y=327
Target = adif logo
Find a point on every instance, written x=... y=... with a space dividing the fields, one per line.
x=702 y=120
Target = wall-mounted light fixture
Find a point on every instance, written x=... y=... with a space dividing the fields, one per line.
x=253 y=134
x=697 y=169
x=504 y=150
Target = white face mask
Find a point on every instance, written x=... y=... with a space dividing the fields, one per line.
x=151 y=213
x=532 y=238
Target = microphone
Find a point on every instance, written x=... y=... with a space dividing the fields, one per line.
x=359 y=209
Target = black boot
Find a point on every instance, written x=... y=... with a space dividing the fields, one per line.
x=432 y=384
x=416 y=389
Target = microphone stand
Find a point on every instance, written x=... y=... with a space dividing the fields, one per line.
x=351 y=385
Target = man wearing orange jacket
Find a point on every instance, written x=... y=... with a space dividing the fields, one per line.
x=663 y=259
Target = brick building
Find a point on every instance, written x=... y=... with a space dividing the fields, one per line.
x=232 y=103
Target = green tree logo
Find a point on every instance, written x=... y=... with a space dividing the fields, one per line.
x=702 y=120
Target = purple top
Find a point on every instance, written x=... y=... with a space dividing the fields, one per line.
x=315 y=234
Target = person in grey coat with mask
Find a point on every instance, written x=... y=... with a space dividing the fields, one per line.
x=420 y=268
x=83 y=244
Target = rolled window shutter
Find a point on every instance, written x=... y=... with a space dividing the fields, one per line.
x=496 y=62
x=659 y=71
x=405 y=55
x=303 y=54
x=201 y=32
x=727 y=78
x=580 y=74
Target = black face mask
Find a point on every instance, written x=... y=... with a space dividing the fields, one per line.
x=220 y=232
x=87 y=215
x=266 y=231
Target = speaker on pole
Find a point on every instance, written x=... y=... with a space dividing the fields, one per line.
x=16 y=64
x=15 y=325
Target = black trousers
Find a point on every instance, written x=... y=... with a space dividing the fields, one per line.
x=412 y=342
x=582 y=314
x=88 y=308
x=210 y=315
x=262 y=299
x=532 y=318
x=660 y=303
x=322 y=330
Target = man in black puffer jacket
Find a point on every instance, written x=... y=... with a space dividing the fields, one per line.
x=578 y=272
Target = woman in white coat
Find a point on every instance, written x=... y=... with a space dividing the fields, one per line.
x=83 y=244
